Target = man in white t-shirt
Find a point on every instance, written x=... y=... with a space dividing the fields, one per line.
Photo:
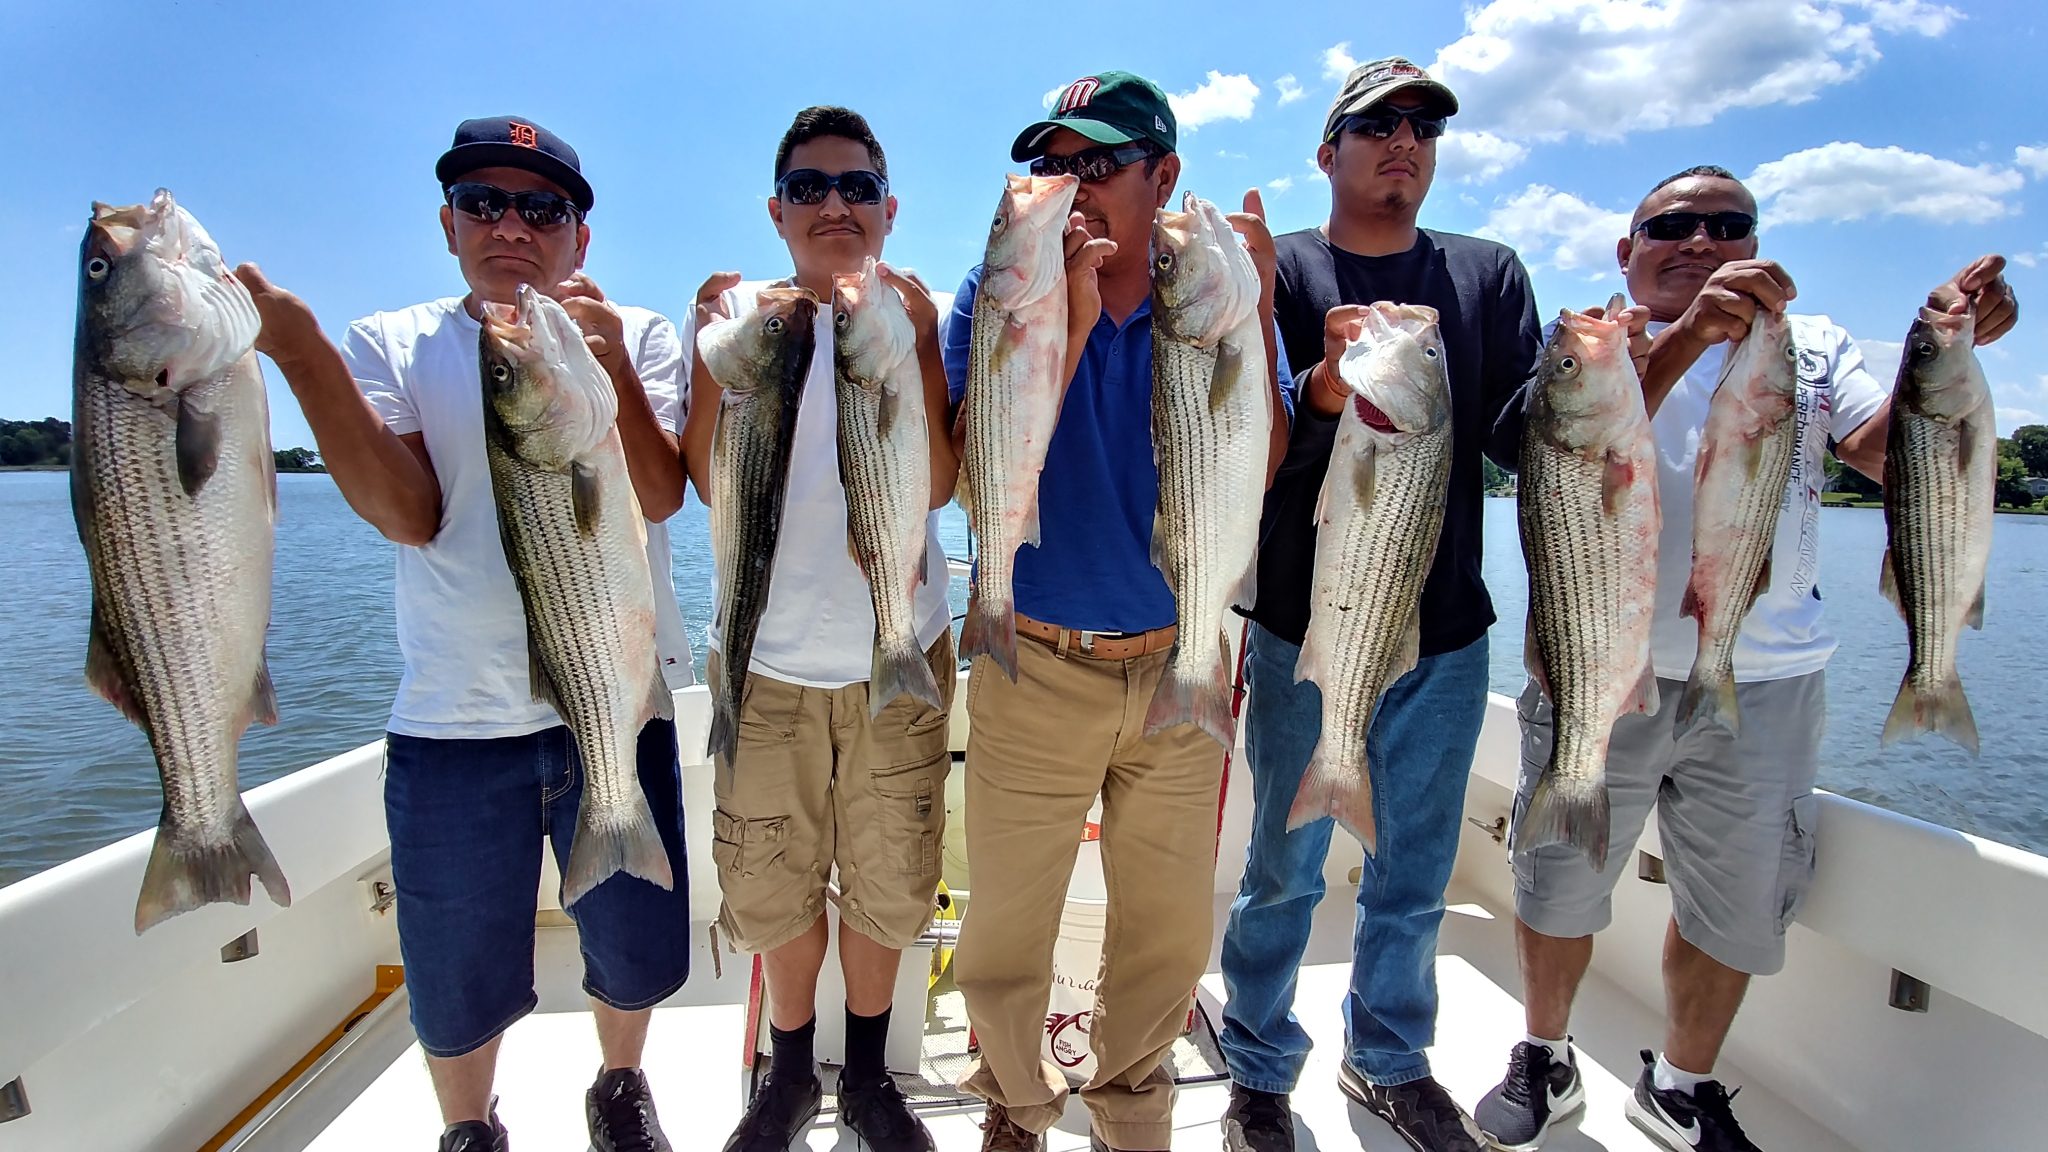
x=816 y=784
x=476 y=770
x=1735 y=812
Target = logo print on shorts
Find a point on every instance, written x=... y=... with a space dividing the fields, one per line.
x=1077 y=95
x=523 y=135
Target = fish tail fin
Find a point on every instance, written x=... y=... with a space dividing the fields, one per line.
x=991 y=632
x=602 y=849
x=1567 y=810
x=1202 y=700
x=902 y=671
x=184 y=874
x=1332 y=788
x=1943 y=709
x=1708 y=698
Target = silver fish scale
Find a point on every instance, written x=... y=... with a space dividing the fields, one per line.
x=1934 y=512
x=1371 y=563
x=746 y=521
x=582 y=595
x=1757 y=503
x=888 y=496
x=1576 y=597
x=993 y=446
x=1203 y=453
x=181 y=584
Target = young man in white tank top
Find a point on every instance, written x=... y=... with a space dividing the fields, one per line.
x=820 y=783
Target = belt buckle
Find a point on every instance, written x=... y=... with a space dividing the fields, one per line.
x=1087 y=641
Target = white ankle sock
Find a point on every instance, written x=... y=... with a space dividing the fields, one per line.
x=1560 y=1050
x=1669 y=1077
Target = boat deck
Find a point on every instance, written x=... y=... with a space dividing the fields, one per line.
x=382 y=1097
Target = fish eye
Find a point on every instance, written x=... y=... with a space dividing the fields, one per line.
x=996 y=227
x=774 y=325
x=842 y=318
x=500 y=373
x=1429 y=352
x=1568 y=364
x=1164 y=262
x=97 y=267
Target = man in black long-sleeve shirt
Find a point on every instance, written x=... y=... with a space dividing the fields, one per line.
x=1379 y=150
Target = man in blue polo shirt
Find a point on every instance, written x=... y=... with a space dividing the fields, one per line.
x=1101 y=621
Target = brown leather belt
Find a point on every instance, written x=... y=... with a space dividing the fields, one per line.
x=1096 y=645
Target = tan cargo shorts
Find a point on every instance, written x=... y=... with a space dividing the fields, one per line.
x=819 y=784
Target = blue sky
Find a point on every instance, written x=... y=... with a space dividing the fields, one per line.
x=1895 y=139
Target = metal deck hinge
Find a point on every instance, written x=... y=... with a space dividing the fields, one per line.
x=13 y=1101
x=383 y=895
x=1649 y=868
x=1910 y=993
x=241 y=948
x=1498 y=829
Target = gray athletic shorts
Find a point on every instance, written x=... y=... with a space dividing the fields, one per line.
x=1736 y=814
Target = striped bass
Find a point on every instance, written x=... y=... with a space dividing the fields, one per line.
x=1212 y=423
x=885 y=465
x=1377 y=523
x=1016 y=365
x=1745 y=461
x=577 y=545
x=1587 y=499
x=1940 y=478
x=175 y=495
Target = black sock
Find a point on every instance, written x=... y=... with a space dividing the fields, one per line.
x=867 y=1041
x=790 y=1052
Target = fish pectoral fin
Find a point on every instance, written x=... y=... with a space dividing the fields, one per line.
x=198 y=446
x=1752 y=459
x=262 y=707
x=1888 y=582
x=1975 y=617
x=1229 y=363
x=887 y=405
x=103 y=671
x=1615 y=481
x=1365 y=477
x=584 y=496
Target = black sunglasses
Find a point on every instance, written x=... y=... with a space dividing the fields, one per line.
x=810 y=186
x=1092 y=165
x=1671 y=226
x=540 y=210
x=1385 y=120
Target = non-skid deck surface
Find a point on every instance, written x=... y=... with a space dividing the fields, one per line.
x=693 y=1062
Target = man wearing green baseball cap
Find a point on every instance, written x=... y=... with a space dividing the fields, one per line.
x=1097 y=623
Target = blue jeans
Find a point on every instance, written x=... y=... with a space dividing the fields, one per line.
x=1420 y=752
x=466 y=819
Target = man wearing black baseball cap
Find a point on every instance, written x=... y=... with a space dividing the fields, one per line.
x=1098 y=623
x=1379 y=151
x=476 y=770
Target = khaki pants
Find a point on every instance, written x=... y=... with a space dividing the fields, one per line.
x=1038 y=752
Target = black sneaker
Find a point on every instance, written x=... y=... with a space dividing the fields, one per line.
x=476 y=1135
x=1699 y=1121
x=1420 y=1111
x=782 y=1109
x=620 y=1111
x=1539 y=1091
x=881 y=1118
x=1257 y=1121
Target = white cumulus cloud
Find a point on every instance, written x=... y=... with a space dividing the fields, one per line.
x=1338 y=62
x=1844 y=181
x=1545 y=69
x=1477 y=157
x=2032 y=259
x=1289 y=88
x=1556 y=229
x=1280 y=183
x=2034 y=158
x=1219 y=97
x=1052 y=96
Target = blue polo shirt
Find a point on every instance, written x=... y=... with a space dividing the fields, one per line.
x=1092 y=568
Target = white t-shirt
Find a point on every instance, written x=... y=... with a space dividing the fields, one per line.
x=819 y=627
x=461 y=627
x=1786 y=633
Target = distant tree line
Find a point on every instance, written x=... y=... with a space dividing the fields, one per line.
x=47 y=443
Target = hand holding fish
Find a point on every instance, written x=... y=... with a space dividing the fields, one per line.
x=1637 y=318
x=289 y=326
x=710 y=298
x=1258 y=240
x=1980 y=285
x=917 y=301
x=1084 y=254
x=602 y=326
x=1729 y=300
x=1341 y=326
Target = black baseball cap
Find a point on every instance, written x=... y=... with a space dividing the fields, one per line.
x=1108 y=108
x=514 y=142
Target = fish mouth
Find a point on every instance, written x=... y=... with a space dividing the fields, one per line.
x=1370 y=415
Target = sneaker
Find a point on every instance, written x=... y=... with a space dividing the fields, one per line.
x=1539 y=1091
x=1257 y=1121
x=1420 y=1111
x=781 y=1111
x=999 y=1133
x=620 y=1111
x=1699 y=1121
x=476 y=1135
x=881 y=1118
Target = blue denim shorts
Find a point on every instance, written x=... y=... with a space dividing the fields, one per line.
x=466 y=818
